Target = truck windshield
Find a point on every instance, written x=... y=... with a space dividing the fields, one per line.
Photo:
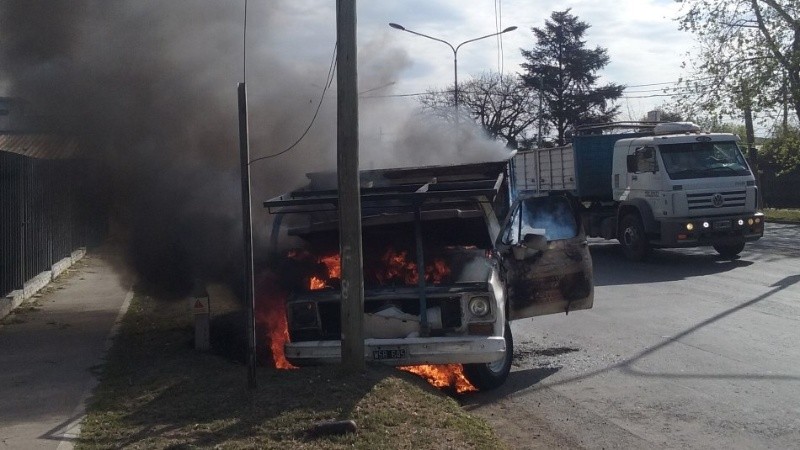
x=703 y=159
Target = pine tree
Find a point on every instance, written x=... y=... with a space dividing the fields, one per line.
x=565 y=72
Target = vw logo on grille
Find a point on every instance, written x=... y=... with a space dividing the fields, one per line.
x=717 y=200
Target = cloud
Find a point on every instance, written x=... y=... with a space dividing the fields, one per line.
x=643 y=41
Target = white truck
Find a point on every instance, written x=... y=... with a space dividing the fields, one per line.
x=668 y=185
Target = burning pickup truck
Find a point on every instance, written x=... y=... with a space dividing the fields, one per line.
x=450 y=256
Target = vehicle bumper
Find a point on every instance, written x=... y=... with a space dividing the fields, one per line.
x=721 y=230
x=404 y=351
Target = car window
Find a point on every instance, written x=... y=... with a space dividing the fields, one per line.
x=645 y=160
x=551 y=216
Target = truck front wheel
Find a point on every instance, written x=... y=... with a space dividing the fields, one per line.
x=633 y=238
x=729 y=250
x=492 y=375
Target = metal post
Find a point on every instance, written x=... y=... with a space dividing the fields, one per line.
x=423 y=300
x=247 y=224
x=23 y=224
x=352 y=304
x=455 y=85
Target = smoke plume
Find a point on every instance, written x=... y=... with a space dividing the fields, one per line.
x=150 y=87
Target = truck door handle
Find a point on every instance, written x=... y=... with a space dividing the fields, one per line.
x=584 y=243
x=634 y=177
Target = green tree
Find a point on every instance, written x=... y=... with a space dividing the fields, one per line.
x=501 y=104
x=749 y=54
x=565 y=72
x=781 y=151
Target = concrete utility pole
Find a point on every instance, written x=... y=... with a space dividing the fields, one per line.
x=352 y=306
x=247 y=233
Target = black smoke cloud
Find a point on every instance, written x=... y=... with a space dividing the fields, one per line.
x=150 y=85
x=151 y=88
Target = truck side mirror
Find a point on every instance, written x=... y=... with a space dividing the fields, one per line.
x=631 y=160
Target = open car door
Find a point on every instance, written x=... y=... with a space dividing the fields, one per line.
x=545 y=257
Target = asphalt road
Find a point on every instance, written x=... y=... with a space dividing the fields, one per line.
x=686 y=350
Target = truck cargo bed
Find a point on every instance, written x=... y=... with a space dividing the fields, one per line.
x=582 y=168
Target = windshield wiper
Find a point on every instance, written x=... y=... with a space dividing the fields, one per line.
x=726 y=168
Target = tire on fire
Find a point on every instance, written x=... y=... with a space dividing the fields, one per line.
x=492 y=375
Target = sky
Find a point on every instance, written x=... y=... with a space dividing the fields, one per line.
x=191 y=52
x=641 y=36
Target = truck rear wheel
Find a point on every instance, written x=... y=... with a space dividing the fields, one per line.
x=729 y=250
x=633 y=238
x=492 y=375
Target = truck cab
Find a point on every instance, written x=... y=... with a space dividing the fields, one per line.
x=684 y=188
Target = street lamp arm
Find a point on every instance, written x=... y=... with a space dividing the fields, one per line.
x=482 y=37
x=433 y=38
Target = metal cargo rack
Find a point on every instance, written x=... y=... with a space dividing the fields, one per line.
x=400 y=190
x=602 y=128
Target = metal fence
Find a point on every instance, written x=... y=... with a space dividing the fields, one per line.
x=47 y=211
x=779 y=191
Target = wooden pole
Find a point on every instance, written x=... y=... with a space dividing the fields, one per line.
x=352 y=305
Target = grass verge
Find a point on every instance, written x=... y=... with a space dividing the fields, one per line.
x=783 y=215
x=157 y=392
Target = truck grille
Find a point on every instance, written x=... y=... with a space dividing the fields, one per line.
x=711 y=200
x=330 y=326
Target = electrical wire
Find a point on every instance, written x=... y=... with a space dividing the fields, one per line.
x=328 y=82
x=677 y=90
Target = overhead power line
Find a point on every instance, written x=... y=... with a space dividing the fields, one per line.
x=328 y=82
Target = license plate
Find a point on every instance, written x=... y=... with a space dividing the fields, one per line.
x=389 y=353
x=722 y=225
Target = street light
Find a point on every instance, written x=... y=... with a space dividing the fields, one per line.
x=455 y=52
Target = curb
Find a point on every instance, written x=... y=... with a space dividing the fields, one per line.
x=15 y=298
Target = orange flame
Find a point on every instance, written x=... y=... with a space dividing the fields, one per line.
x=315 y=283
x=443 y=376
x=395 y=266
x=437 y=272
x=271 y=316
x=334 y=265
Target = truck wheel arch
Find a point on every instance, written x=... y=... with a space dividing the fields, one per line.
x=642 y=208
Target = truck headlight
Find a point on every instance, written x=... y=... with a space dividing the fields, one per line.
x=741 y=222
x=706 y=224
x=479 y=306
x=689 y=226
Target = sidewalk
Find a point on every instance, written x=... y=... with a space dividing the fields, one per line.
x=50 y=352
